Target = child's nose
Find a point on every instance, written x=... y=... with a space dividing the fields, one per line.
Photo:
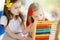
x=18 y=10
x=39 y=17
x=40 y=14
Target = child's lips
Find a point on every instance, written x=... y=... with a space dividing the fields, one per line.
x=39 y=20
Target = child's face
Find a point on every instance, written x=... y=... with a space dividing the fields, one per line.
x=15 y=8
x=38 y=15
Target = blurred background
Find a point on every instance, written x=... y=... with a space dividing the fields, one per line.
x=51 y=10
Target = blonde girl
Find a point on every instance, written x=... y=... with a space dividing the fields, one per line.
x=35 y=13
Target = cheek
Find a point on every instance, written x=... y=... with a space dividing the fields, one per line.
x=40 y=17
x=13 y=11
x=35 y=18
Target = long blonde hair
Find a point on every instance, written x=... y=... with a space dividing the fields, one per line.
x=32 y=8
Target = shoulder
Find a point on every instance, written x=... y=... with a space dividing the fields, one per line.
x=3 y=20
x=3 y=17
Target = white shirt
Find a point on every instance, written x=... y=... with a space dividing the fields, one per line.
x=14 y=25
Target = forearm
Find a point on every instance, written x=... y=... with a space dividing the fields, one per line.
x=23 y=28
x=11 y=34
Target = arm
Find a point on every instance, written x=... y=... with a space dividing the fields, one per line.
x=30 y=29
x=24 y=29
x=11 y=34
x=4 y=22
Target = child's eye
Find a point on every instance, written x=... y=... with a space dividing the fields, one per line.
x=16 y=7
x=36 y=16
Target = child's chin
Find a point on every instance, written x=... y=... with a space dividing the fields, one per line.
x=17 y=14
x=40 y=20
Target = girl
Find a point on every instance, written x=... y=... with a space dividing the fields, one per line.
x=35 y=13
x=13 y=21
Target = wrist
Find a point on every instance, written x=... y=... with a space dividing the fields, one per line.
x=18 y=38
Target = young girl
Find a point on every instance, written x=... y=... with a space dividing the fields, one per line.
x=13 y=21
x=35 y=13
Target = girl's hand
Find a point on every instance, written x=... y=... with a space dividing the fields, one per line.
x=24 y=32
